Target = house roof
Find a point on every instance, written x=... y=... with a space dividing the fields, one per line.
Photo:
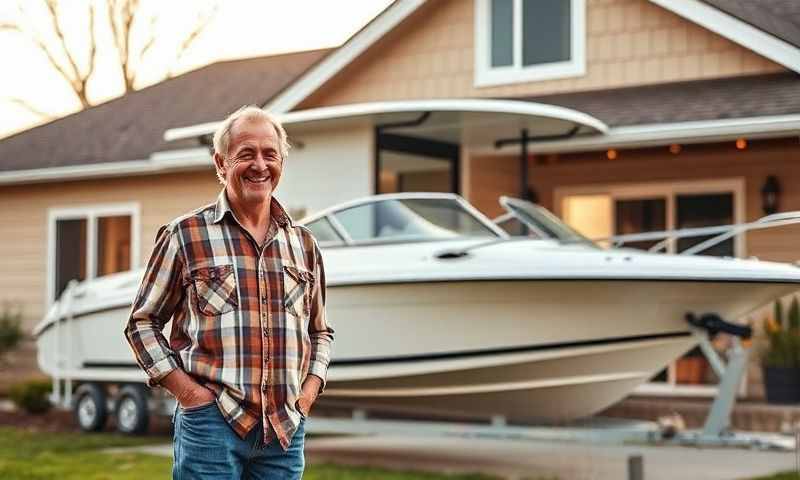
x=780 y=18
x=716 y=99
x=131 y=127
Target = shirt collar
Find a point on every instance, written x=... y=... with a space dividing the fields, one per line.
x=277 y=212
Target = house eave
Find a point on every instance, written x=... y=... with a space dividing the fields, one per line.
x=660 y=134
x=343 y=56
x=736 y=30
x=160 y=163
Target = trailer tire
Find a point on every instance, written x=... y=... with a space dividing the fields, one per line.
x=89 y=407
x=133 y=416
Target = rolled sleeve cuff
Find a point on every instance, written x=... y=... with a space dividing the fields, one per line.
x=161 y=369
x=319 y=369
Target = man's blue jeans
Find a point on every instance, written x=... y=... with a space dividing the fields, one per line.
x=206 y=447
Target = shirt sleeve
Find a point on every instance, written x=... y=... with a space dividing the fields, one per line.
x=319 y=330
x=159 y=295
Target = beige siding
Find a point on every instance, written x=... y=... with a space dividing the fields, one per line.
x=700 y=162
x=629 y=42
x=24 y=210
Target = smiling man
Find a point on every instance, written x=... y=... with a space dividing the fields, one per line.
x=245 y=289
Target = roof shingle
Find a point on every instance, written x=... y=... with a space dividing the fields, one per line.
x=131 y=127
x=780 y=18
x=732 y=97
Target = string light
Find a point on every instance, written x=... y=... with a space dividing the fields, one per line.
x=741 y=143
x=611 y=154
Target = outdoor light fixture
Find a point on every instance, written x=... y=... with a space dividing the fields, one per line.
x=674 y=149
x=769 y=195
x=611 y=154
x=741 y=143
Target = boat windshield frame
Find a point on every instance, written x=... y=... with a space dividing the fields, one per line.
x=515 y=208
x=330 y=215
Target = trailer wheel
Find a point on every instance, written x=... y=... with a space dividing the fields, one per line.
x=132 y=412
x=89 y=407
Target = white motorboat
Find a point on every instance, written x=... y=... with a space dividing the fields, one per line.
x=438 y=310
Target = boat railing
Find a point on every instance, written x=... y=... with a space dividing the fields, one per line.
x=720 y=233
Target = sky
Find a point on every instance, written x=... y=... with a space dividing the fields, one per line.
x=238 y=29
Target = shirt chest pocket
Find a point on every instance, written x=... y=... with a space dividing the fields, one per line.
x=297 y=284
x=215 y=289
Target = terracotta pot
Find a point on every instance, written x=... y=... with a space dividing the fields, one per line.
x=782 y=384
x=691 y=370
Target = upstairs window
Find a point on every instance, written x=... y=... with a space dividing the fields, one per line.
x=528 y=40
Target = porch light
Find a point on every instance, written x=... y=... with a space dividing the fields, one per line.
x=769 y=195
x=611 y=154
x=741 y=143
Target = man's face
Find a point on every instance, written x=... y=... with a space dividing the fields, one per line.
x=253 y=165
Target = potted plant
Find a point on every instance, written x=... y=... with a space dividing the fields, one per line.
x=781 y=360
x=691 y=368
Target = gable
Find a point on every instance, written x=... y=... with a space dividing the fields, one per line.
x=628 y=43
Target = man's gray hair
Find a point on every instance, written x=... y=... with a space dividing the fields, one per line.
x=222 y=137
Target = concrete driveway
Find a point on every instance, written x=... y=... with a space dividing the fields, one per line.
x=521 y=459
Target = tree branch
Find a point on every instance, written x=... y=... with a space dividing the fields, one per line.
x=131 y=7
x=31 y=108
x=10 y=27
x=203 y=21
x=92 y=43
x=151 y=40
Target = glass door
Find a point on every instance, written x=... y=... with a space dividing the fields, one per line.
x=630 y=209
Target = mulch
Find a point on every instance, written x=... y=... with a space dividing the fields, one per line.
x=62 y=421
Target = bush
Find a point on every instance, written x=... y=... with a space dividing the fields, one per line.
x=32 y=396
x=783 y=335
x=10 y=328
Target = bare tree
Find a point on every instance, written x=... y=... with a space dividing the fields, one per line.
x=134 y=35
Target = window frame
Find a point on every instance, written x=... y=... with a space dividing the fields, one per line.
x=91 y=213
x=488 y=76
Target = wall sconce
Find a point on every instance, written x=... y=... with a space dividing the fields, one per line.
x=769 y=195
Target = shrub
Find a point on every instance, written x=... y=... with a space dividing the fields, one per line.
x=10 y=328
x=32 y=396
x=783 y=336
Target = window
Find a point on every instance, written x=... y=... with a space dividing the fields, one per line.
x=528 y=40
x=90 y=242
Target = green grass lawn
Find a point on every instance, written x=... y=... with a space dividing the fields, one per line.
x=781 y=476
x=35 y=456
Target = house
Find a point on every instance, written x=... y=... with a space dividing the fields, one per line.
x=621 y=116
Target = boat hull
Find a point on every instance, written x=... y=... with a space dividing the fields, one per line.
x=536 y=349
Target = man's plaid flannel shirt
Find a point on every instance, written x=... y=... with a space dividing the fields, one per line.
x=248 y=322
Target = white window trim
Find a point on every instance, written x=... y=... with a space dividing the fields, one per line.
x=487 y=76
x=669 y=190
x=91 y=213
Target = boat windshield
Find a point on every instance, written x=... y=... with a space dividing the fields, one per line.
x=537 y=221
x=401 y=220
